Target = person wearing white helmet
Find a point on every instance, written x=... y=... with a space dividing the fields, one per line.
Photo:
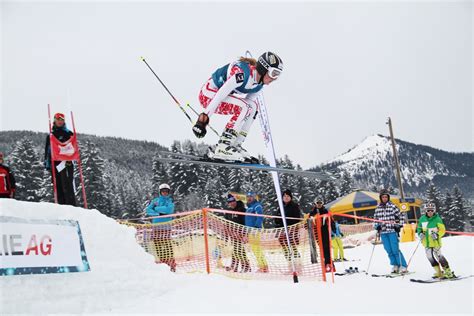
x=162 y=205
x=233 y=90
x=430 y=230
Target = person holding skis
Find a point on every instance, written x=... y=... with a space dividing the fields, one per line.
x=389 y=231
x=161 y=235
x=291 y=209
x=430 y=231
x=233 y=90
x=255 y=207
x=238 y=237
x=64 y=176
x=320 y=209
x=7 y=180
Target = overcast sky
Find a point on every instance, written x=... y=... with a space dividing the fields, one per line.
x=348 y=66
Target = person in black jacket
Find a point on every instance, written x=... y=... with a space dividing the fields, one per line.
x=7 y=181
x=238 y=235
x=291 y=209
x=65 y=177
x=326 y=241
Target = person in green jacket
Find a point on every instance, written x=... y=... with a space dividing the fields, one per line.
x=430 y=230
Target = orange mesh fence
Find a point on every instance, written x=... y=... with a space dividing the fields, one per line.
x=204 y=241
x=356 y=228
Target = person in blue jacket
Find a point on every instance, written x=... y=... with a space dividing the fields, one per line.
x=256 y=222
x=161 y=236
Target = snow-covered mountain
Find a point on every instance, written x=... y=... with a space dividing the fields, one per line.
x=371 y=163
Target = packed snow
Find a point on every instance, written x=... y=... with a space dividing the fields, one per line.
x=125 y=279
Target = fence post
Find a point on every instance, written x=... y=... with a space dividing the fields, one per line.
x=320 y=242
x=206 y=240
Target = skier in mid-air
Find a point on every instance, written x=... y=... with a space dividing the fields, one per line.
x=233 y=90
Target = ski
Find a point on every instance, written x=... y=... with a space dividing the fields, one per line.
x=390 y=275
x=312 y=242
x=192 y=159
x=457 y=278
x=347 y=260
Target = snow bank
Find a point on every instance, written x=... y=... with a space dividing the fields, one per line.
x=124 y=279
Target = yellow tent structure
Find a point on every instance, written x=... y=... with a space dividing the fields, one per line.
x=359 y=201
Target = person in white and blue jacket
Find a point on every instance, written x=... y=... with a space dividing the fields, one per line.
x=389 y=231
x=161 y=235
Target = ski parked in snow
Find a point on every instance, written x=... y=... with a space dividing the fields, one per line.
x=391 y=275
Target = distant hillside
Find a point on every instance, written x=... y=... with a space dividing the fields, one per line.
x=371 y=163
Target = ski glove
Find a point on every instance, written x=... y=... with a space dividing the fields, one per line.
x=421 y=236
x=397 y=228
x=378 y=228
x=434 y=235
x=199 y=129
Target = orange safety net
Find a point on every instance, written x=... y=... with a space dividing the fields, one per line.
x=204 y=241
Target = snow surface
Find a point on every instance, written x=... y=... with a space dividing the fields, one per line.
x=125 y=279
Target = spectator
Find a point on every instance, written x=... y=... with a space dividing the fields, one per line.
x=291 y=209
x=64 y=177
x=256 y=222
x=7 y=181
x=161 y=235
x=389 y=231
x=237 y=234
x=337 y=246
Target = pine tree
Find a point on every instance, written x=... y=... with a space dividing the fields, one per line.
x=46 y=191
x=457 y=215
x=346 y=184
x=28 y=171
x=160 y=175
x=433 y=195
x=445 y=205
x=95 y=180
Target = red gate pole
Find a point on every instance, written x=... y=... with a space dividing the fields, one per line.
x=79 y=164
x=55 y=190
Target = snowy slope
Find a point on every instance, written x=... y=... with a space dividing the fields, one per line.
x=124 y=279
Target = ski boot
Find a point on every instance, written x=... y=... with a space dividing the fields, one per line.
x=395 y=269
x=225 y=150
x=448 y=274
x=248 y=158
x=403 y=270
x=263 y=270
x=438 y=273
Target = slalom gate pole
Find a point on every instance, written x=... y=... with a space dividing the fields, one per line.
x=372 y=254
x=79 y=164
x=53 y=171
x=267 y=136
x=173 y=97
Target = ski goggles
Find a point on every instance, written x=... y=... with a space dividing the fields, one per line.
x=274 y=73
x=430 y=210
x=59 y=116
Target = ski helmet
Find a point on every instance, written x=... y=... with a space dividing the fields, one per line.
x=269 y=63
x=164 y=186
x=384 y=192
x=429 y=207
x=59 y=116
x=318 y=199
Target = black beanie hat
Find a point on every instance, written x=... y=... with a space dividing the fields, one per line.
x=288 y=192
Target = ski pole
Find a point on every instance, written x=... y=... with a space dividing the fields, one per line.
x=372 y=254
x=411 y=257
x=172 y=96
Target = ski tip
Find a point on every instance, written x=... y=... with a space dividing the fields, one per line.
x=142 y=58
